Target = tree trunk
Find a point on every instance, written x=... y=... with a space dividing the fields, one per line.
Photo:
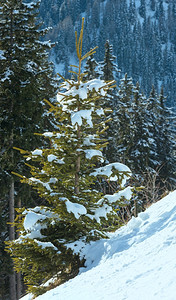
x=78 y=164
x=18 y=277
x=19 y=285
x=12 y=277
x=77 y=175
x=11 y=211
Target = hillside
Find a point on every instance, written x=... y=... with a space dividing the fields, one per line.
x=137 y=262
x=60 y=148
x=142 y=33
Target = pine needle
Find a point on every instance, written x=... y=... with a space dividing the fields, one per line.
x=73 y=66
x=70 y=71
x=20 y=176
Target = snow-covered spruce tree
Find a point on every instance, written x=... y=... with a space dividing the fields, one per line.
x=109 y=66
x=91 y=68
x=165 y=142
x=109 y=71
x=25 y=79
x=123 y=133
x=155 y=152
x=161 y=138
x=134 y=132
x=52 y=238
x=139 y=150
x=152 y=116
x=130 y=134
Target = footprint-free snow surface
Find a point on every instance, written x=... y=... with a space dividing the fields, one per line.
x=138 y=262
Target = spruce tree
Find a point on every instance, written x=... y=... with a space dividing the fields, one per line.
x=109 y=66
x=140 y=148
x=52 y=237
x=25 y=79
x=165 y=141
x=152 y=116
x=91 y=68
x=142 y=8
x=123 y=132
x=109 y=72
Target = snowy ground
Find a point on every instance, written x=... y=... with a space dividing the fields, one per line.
x=138 y=262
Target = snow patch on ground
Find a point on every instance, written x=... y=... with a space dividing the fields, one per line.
x=137 y=262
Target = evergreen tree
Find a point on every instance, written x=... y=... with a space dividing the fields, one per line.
x=109 y=67
x=166 y=142
x=143 y=134
x=109 y=72
x=91 y=68
x=25 y=79
x=140 y=149
x=130 y=133
x=142 y=8
x=152 y=117
x=52 y=238
x=122 y=135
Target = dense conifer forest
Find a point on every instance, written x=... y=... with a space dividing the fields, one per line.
x=142 y=34
x=82 y=152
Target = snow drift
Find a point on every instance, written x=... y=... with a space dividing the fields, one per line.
x=137 y=262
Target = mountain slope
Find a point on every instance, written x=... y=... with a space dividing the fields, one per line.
x=142 y=33
x=137 y=262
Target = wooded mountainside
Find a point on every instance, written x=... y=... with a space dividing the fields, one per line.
x=142 y=33
x=74 y=145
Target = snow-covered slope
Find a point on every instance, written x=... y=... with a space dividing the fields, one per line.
x=138 y=262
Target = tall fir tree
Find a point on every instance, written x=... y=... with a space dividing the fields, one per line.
x=52 y=237
x=140 y=149
x=122 y=135
x=152 y=117
x=109 y=67
x=166 y=142
x=25 y=79
x=109 y=71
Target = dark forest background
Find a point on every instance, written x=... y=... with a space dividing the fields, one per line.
x=142 y=33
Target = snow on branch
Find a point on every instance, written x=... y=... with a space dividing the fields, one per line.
x=75 y=208
x=111 y=170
